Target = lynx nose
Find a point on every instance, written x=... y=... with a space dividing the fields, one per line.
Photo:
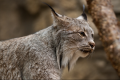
x=92 y=44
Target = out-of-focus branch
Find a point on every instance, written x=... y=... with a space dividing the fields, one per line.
x=107 y=25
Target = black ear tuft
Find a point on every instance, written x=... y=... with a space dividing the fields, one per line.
x=51 y=8
x=84 y=14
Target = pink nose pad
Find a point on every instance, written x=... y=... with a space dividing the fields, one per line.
x=92 y=44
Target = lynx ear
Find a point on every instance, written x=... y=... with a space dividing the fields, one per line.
x=83 y=16
x=56 y=19
x=55 y=15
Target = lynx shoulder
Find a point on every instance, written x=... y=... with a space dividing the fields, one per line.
x=44 y=54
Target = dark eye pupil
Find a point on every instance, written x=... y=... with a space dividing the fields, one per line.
x=82 y=33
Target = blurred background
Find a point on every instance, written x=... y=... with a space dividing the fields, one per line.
x=23 y=17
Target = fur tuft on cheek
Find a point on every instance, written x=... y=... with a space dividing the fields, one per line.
x=70 y=57
x=67 y=55
x=74 y=59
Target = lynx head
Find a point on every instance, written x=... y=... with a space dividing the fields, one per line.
x=73 y=38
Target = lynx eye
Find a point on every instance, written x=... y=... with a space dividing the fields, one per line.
x=82 y=33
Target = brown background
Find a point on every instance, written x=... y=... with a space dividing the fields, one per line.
x=23 y=17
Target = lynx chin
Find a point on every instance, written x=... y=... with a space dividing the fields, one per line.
x=44 y=54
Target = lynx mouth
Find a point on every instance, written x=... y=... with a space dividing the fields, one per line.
x=87 y=51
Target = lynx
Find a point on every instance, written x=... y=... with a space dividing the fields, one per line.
x=44 y=54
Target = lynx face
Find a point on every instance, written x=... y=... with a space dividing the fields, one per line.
x=73 y=38
x=78 y=37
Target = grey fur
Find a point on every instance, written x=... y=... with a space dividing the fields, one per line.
x=44 y=54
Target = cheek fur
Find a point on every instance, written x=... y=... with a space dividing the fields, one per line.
x=76 y=37
x=69 y=53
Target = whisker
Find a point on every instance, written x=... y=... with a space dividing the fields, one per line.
x=69 y=49
x=91 y=54
x=88 y=57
